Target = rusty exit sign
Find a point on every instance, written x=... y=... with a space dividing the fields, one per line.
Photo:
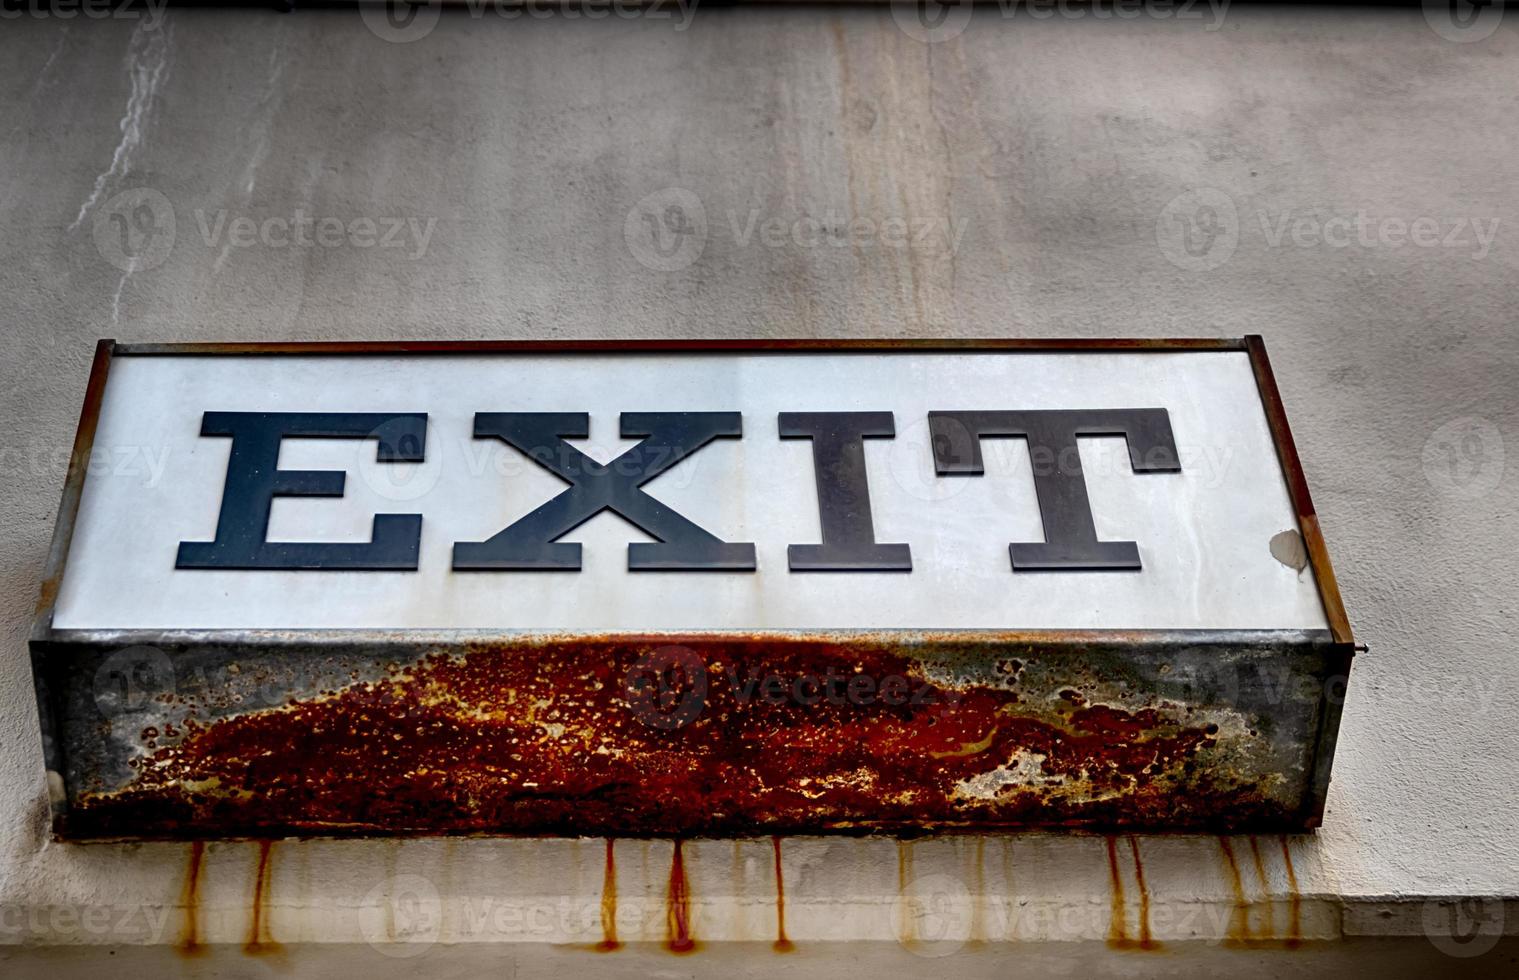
x=673 y=588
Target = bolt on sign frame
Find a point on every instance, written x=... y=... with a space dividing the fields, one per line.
x=217 y=657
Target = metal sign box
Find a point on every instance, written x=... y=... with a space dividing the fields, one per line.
x=673 y=588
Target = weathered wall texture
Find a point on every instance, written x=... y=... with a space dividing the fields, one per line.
x=1341 y=182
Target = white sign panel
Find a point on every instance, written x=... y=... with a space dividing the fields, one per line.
x=595 y=491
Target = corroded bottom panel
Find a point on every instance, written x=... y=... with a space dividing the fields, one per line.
x=714 y=735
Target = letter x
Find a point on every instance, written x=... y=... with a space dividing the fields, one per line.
x=668 y=437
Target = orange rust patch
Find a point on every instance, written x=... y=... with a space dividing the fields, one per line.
x=543 y=738
x=48 y=595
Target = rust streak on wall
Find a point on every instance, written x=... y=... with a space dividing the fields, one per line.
x=1118 y=926
x=189 y=937
x=1294 y=899
x=392 y=855
x=781 y=944
x=609 y=941
x=1260 y=874
x=678 y=905
x=738 y=876
x=978 y=896
x=1239 y=919
x=260 y=941
x=1007 y=881
x=907 y=926
x=1145 y=939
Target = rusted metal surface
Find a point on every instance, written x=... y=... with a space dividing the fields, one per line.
x=698 y=735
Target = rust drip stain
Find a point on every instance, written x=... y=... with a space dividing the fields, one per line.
x=1007 y=876
x=739 y=876
x=1146 y=941
x=189 y=938
x=546 y=737
x=1294 y=899
x=978 y=899
x=1260 y=874
x=1239 y=920
x=609 y=942
x=1118 y=925
x=678 y=905
x=260 y=941
x=906 y=925
x=781 y=944
x=392 y=849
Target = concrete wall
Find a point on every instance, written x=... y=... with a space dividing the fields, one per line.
x=1345 y=177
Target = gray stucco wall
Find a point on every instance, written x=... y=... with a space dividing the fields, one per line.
x=1040 y=167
